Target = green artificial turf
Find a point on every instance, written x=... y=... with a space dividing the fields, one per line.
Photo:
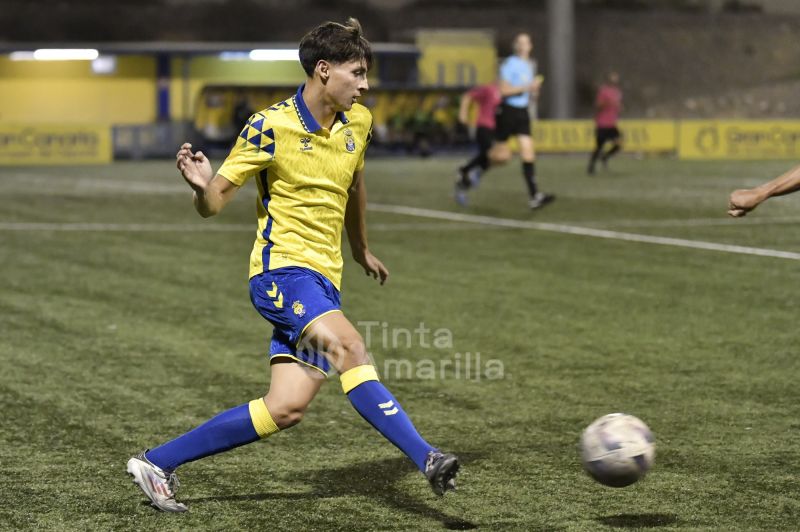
x=120 y=335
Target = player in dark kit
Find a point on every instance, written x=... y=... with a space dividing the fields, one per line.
x=487 y=98
x=608 y=105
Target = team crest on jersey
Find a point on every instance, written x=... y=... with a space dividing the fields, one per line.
x=306 y=144
x=349 y=143
x=298 y=309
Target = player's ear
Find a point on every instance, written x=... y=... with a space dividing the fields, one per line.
x=323 y=69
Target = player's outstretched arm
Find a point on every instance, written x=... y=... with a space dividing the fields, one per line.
x=211 y=192
x=745 y=200
x=355 y=222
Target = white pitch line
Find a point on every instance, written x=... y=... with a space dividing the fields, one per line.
x=135 y=228
x=423 y=213
x=202 y=228
x=583 y=231
x=454 y=226
x=696 y=222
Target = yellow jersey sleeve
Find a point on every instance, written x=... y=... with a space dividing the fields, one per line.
x=367 y=139
x=253 y=152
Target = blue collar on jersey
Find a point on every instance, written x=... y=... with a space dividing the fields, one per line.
x=306 y=118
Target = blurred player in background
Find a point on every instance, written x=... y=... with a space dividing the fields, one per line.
x=518 y=85
x=242 y=110
x=745 y=200
x=307 y=157
x=608 y=105
x=487 y=98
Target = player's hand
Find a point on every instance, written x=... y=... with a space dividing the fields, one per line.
x=536 y=84
x=195 y=167
x=743 y=201
x=372 y=266
x=463 y=118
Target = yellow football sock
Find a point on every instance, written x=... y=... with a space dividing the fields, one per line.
x=262 y=420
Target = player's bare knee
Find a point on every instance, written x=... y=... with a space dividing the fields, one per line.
x=357 y=352
x=352 y=353
x=291 y=418
x=500 y=157
x=286 y=415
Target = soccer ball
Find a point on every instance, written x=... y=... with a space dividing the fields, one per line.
x=617 y=449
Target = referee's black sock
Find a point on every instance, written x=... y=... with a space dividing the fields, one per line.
x=529 y=172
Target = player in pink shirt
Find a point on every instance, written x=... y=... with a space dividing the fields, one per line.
x=487 y=98
x=608 y=104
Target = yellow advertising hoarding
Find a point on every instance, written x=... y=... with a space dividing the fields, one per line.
x=739 y=139
x=649 y=136
x=54 y=144
x=456 y=58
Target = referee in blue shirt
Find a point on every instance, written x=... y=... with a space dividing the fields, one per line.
x=518 y=82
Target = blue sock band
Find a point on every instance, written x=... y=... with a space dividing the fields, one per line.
x=375 y=404
x=230 y=429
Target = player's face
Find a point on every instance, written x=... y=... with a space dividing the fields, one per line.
x=346 y=83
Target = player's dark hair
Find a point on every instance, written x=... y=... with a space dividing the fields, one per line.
x=335 y=43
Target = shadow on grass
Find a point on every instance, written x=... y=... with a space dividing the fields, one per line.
x=374 y=479
x=638 y=520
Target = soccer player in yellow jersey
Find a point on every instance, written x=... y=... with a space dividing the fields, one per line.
x=307 y=157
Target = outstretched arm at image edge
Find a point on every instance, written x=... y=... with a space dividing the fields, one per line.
x=745 y=200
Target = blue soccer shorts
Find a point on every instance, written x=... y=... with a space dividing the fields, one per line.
x=291 y=299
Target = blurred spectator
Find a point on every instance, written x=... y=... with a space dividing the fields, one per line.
x=242 y=112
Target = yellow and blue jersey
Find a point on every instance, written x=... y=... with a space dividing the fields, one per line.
x=304 y=172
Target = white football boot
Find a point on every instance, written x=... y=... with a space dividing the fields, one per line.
x=155 y=483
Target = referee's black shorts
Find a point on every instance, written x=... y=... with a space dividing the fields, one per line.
x=512 y=121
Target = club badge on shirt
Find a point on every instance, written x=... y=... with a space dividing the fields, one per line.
x=349 y=143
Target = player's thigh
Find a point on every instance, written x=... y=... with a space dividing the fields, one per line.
x=617 y=138
x=336 y=339
x=599 y=138
x=526 y=150
x=484 y=137
x=500 y=152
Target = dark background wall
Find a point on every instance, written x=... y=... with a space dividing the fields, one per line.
x=685 y=60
